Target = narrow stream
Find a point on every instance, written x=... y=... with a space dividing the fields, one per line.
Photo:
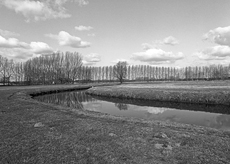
x=203 y=115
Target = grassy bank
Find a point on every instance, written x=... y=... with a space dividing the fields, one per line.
x=35 y=132
x=216 y=92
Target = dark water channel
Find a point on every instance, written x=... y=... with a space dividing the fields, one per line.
x=203 y=115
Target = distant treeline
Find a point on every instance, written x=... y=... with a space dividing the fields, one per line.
x=62 y=68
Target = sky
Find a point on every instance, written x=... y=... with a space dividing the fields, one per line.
x=171 y=33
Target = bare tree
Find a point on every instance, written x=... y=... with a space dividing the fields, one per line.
x=18 y=72
x=120 y=71
x=76 y=64
x=1 y=67
x=6 y=69
x=1 y=63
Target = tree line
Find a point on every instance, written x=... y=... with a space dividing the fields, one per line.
x=61 y=68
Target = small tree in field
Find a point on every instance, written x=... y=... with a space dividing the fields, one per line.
x=120 y=71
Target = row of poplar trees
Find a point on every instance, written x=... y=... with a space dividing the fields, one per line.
x=60 y=68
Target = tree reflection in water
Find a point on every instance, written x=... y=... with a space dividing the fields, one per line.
x=121 y=106
x=69 y=99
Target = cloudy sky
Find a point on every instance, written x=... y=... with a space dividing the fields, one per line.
x=156 y=32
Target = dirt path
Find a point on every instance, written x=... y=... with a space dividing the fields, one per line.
x=35 y=132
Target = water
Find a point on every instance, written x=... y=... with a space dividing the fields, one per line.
x=203 y=115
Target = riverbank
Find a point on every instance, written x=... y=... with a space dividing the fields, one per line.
x=35 y=132
x=198 y=92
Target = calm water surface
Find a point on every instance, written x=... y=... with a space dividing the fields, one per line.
x=203 y=115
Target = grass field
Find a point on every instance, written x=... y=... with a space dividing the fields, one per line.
x=201 y=92
x=36 y=132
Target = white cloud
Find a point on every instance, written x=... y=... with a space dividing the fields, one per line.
x=146 y=46
x=157 y=56
x=220 y=35
x=157 y=43
x=12 y=43
x=52 y=36
x=34 y=10
x=65 y=39
x=6 y=33
x=91 y=59
x=170 y=41
x=40 y=48
x=83 y=2
x=83 y=28
x=16 y=53
x=91 y=34
x=214 y=53
x=40 y=10
x=61 y=2
x=12 y=47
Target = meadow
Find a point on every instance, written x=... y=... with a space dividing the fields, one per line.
x=36 y=132
x=199 y=92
